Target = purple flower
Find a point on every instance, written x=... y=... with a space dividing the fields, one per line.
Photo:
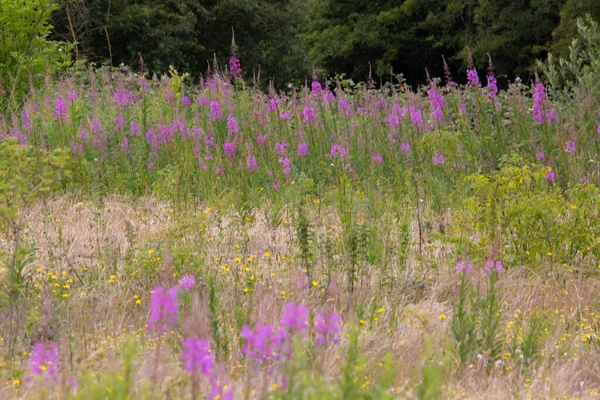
x=44 y=360
x=118 y=122
x=286 y=165
x=327 y=329
x=438 y=159
x=262 y=344
x=316 y=88
x=123 y=99
x=307 y=114
x=272 y=104
x=96 y=127
x=295 y=317
x=280 y=148
x=76 y=147
x=540 y=108
x=392 y=120
x=337 y=149
x=549 y=176
x=343 y=106
x=472 y=77
x=405 y=148
x=220 y=392
x=198 y=357
x=463 y=266
x=251 y=162
x=232 y=126
x=415 y=117
x=328 y=97
x=492 y=86
x=229 y=149
x=302 y=149
x=285 y=115
x=134 y=129
x=260 y=139
x=235 y=67
x=25 y=119
x=436 y=103
x=72 y=96
x=491 y=266
x=215 y=111
x=377 y=159
x=60 y=109
x=187 y=282
x=540 y=156
x=125 y=145
x=185 y=101
x=163 y=309
x=570 y=147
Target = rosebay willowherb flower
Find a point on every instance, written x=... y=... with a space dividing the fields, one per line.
x=43 y=361
x=163 y=310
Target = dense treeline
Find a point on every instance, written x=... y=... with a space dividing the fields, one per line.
x=285 y=39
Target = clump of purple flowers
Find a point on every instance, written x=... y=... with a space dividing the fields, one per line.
x=294 y=318
x=251 y=162
x=261 y=344
x=343 y=106
x=198 y=357
x=187 y=282
x=232 y=126
x=327 y=328
x=464 y=267
x=43 y=361
x=436 y=103
x=307 y=114
x=492 y=266
x=229 y=149
x=541 y=110
x=438 y=159
x=472 y=77
x=60 y=109
x=337 y=149
x=416 y=119
x=302 y=149
x=235 y=67
x=163 y=309
x=215 y=111
x=570 y=146
x=549 y=176
x=316 y=88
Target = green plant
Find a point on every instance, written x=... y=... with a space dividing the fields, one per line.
x=25 y=50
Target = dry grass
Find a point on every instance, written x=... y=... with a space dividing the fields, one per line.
x=100 y=313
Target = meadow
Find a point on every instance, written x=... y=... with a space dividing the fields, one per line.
x=166 y=240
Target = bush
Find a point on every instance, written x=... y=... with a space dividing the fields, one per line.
x=25 y=51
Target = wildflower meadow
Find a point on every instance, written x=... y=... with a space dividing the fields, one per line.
x=164 y=237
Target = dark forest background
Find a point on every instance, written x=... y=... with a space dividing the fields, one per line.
x=288 y=40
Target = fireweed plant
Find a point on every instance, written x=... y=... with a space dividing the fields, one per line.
x=165 y=239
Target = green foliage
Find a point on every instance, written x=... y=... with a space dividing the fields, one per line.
x=188 y=34
x=26 y=53
x=532 y=219
x=26 y=174
x=433 y=372
x=576 y=73
x=475 y=324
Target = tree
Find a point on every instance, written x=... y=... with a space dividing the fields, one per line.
x=26 y=53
